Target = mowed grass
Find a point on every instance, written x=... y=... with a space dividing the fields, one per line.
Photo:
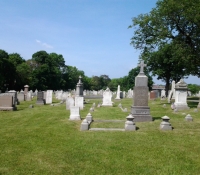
x=41 y=140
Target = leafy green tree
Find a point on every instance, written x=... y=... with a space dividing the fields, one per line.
x=171 y=21
x=48 y=70
x=166 y=63
x=194 y=88
x=7 y=71
x=71 y=77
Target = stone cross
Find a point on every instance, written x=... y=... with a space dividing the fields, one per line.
x=142 y=65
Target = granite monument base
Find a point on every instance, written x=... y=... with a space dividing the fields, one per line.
x=141 y=113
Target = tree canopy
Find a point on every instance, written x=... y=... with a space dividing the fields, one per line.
x=171 y=21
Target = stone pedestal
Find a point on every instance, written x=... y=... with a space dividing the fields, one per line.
x=84 y=125
x=165 y=125
x=129 y=124
x=89 y=118
x=189 y=118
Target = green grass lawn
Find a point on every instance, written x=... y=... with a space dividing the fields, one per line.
x=41 y=140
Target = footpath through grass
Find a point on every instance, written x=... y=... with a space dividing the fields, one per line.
x=43 y=141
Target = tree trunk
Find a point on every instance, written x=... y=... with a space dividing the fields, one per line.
x=167 y=86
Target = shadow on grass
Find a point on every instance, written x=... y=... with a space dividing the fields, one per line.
x=156 y=118
x=137 y=128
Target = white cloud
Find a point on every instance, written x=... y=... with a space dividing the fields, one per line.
x=44 y=44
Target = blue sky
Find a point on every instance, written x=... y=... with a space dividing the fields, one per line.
x=92 y=35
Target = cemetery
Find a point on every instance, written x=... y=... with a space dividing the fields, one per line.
x=57 y=119
x=53 y=132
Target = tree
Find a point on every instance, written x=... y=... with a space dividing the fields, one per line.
x=7 y=71
x=171 y=21
x=194 y=88
x=166 y=64
x=48 y=70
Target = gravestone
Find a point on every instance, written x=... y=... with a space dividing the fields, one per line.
x=40 y=98
x=153 y=95
x=74 y=113
x=20 y=96
x=79 y=88
x=7 y=102
x=173 y=90
x=163 y=94
x=25 y=92
x=14 y=93
x=69 y=102
x=118 y=93
x=181 y=95
x=49 y=96
x=140 y=109
x=107 y=96
x=79 y=102
x=29 y=96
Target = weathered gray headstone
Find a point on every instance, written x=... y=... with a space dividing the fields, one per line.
x=40 y=98
x=140 y=109
x=6 y=102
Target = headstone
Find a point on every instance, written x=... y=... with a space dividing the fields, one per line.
x=20 y=96
x=79 y=88
x=14 y=93
x=107 y=96
x=6 y=102
x=79 y=102
x=28 y=96
x=25 y=92
x=173 y=90
x=118 y=93
x=40 y=98
x=163 y=94
x=49 y=96
x=140 y=109
x=69 y=103
x=74 y=113
x=181 y=95
x=152 y=95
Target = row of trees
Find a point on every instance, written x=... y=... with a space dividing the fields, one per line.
x=48 y=71
x=169 y=39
